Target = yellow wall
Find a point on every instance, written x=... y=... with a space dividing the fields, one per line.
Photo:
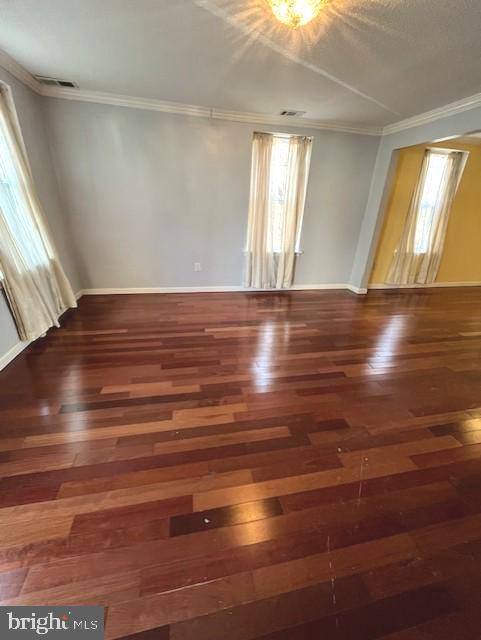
x=461 y=260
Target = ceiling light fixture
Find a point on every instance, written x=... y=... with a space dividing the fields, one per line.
x=296 y=13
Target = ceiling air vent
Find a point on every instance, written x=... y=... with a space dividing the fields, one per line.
x=291 y=112
x=55 y=82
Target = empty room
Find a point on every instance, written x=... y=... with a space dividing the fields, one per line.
x=240 y=319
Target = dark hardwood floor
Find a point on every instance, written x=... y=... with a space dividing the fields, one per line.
x=286 y=466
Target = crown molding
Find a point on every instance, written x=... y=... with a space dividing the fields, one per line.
x=119 y=100
x=305 y=123
x=259 y=118
x=20 y=73
x=17 y=71
x=451 y=109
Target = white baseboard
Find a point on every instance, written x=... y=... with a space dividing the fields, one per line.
x=140 y=290
x=432 y=285
x=13 y=353
x=360 y=291
x=224 y=289
x=326 y=287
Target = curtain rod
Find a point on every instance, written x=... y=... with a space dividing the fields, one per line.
x=446 y=150
x=281 y=135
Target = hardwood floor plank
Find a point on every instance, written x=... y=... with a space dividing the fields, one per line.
x=118 y=480
x=69 y=507
x=234 y=514
x=208 y=442
x=11 y=583
x=124 y=430
x=321 y=567
x=39 y=464
x=400 y=450
x=42 y=528
x=99 y=592
x=268 y=615
x=285 y=486
x=376 y=620
x=163 y=609
x=138 y=514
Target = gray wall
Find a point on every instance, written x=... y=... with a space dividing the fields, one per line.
x=30 y=113
x=8 y=333
x=148 y=194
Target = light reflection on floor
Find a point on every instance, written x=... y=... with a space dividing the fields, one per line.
x=388 y=343
x=273 y=338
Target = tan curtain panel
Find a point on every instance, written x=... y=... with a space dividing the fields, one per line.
x=34 y=282
x=273 y=225
x=410 y=264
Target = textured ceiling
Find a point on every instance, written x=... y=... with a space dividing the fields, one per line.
x=366 y=62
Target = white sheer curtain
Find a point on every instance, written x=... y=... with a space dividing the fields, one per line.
x=279 y=175
x=418 y=255
x=34 y=282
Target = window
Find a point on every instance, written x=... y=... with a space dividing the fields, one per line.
x=420 y=248
x=33 y=280
x=280 y=170
x=16 y=210
x=432 y=191
x=278 y=191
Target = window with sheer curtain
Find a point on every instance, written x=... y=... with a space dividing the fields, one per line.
x=15 y=211
x=431 y=187
x=279 y=175
x=278 y=192
x=34 y=282
x=418 y=255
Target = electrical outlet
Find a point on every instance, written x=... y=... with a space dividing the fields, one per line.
x=197 y=266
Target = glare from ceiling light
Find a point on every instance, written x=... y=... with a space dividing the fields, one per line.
x=296 y=13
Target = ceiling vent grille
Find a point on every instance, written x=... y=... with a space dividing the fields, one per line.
x=55 y=82
x=289 y=113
